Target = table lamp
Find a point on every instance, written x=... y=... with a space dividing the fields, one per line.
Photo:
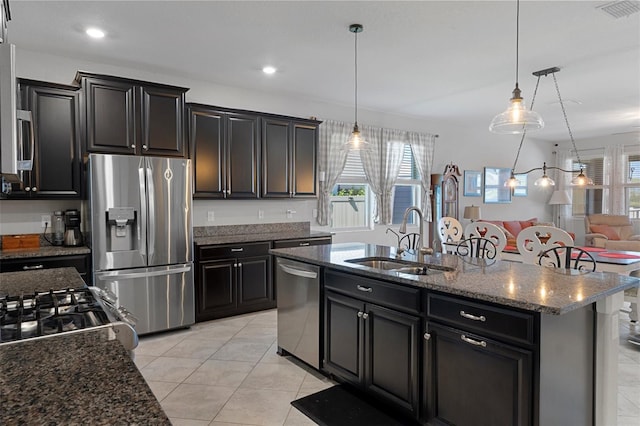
x=559 y=197
x=471 y=212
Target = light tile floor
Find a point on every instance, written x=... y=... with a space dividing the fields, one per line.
x=227 y=373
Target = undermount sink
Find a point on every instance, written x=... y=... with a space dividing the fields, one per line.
x=396 y=265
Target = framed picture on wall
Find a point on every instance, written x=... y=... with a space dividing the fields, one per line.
x=472 y=183
x=521 y=189
x=495 y=190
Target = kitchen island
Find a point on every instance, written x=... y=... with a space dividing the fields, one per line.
x=77 y=377
x=468 y=341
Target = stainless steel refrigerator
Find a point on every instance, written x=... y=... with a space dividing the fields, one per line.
x=141 y=237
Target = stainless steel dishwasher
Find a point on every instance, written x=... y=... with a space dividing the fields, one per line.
x=298 y=298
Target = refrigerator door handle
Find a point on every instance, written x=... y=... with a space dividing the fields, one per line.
x=108 y=276
x=151 y=228
x=143 y=207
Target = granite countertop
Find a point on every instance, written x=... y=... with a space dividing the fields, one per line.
x=43 y=251
x=15 y=283
x=529 y=287
x=74 y=378
x=258 y=237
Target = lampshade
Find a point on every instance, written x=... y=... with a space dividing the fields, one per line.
x=560 y=197
x=471 y=212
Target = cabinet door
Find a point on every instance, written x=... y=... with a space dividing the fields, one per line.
x=392 y=356
x=242 y=156
x=216 y=291
x=162 y=127
x=305 y=140
x=276 y=158
x=344 y=337
x=475 y=381
x=254 y=280
x=111 y=116
x=207 y=150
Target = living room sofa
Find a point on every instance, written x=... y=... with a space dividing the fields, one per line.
x=612 y=232
x=512 y=228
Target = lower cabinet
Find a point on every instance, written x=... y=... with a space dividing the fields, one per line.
x=233 y=279
x=374 y=348
x=470 y=379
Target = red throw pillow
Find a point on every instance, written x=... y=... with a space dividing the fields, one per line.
x=605 y=230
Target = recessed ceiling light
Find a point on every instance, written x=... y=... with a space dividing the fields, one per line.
x=269 y=70
x=95 y=33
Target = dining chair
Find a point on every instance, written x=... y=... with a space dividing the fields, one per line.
x=489 y=231
x=535 y=239
x=567 y=257
x=410 y=241
x=450 y=231
x=477 y=247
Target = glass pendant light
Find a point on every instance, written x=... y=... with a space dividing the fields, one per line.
x=517 y=118
x=356 y=142
x=544 y=180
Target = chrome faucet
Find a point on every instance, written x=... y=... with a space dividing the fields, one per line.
x=403 y=228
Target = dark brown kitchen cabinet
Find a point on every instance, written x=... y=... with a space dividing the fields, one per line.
x=289 y=150
x=478 y=359
x=374 y=347
x=233 y=279
x=56 y=170
x=79 y=261
x=225 y=148
x=123 y=116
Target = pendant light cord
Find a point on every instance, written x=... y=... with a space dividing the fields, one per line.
x=517 y=38
x=524 y=133
x=566 y=120
x=356 y=75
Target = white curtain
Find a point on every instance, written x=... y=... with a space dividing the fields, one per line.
x=331 y=160
x=563 y=182
x=381 y=166
x=423 y=146
x=614 y=179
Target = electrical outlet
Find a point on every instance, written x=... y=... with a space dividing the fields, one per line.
x=211 y=216
x=260 y=214
x=45 y=221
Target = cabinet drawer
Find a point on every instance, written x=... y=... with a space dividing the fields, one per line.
x=482 y=318
x=80 y=262
x=233 y=250
x=385 y=294
x=301 y=242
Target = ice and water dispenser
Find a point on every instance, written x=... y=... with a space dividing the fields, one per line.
x=121 y=223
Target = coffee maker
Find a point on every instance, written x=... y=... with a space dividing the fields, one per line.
x=72 y=234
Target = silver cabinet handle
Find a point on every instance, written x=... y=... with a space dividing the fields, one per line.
x=427 y=336
x=359 y=314
x=304 y=244
x=240 y=265
x=133 y=146
x=27 y=188
x=237 y=249
x=363 y=288
x=365 y=315
x=235 y=265
x=30 y=268
x=473 y=317
x=473 y=341
x=34 y=189
x=145 y=147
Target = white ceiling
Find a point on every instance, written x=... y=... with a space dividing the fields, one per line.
x=438 y=60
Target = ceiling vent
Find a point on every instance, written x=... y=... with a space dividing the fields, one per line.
x=620 y=9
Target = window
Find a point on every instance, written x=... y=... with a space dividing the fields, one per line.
x=591 y=200
x=352 y=202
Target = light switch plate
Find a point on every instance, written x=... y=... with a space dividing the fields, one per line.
x=260 y=214
x=211 y=216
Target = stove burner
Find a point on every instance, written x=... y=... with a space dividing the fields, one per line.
x=46 y=313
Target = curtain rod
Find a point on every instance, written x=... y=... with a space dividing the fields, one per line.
x=599 y=149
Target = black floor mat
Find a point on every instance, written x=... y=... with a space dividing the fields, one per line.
x=338 y=406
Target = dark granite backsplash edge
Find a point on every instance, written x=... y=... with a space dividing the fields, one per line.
x=253 y=228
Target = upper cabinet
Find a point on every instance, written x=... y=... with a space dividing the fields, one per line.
x=56 y=144
x=224 y=147
x=244 y=154
x=289 y=157
x=123 y=116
